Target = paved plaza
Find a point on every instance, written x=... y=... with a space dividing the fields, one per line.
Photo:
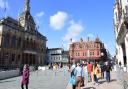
x=50 y=79
x=47 y=79
x=114 y=84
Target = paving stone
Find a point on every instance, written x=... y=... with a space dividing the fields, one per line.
x=47 y=79
x=103 y=84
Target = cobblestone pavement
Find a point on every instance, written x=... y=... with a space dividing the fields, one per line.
x=114 y=84
x=47 y=79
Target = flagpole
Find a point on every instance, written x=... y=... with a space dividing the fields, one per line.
x=5 y=9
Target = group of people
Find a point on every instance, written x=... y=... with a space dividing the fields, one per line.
x=55 y=66
x=94 y=72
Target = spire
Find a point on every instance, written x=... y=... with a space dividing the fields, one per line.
x=27 y=7
x=88 y=39
x=97 y=40
x=81 y=39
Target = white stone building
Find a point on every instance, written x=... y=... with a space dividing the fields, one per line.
x=121 y=31
x=56 y=55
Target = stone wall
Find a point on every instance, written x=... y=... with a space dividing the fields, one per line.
x=8 y=74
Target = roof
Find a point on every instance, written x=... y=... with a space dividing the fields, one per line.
x=55 y=49
x=97 y=40
x=66 y=52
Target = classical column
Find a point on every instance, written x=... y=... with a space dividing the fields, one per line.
x=120 y=55
x=28 y=58
x=32 y=58
x=126 y=48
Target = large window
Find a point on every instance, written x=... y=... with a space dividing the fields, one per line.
x=98 y=53
x=13 y=57
x=6 y=40
x=19 y=43
x=85 y=54
x=13 y=42
x=78 y=54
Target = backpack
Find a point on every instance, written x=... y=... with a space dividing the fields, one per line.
x=73 y=72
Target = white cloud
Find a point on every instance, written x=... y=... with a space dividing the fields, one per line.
x=40 y=14
x=4 y=4
x=58 y=20
x=38 y=17
x=74 y=30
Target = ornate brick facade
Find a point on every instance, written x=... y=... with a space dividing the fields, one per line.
x=87 y=50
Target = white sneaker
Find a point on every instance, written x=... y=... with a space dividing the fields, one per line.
x=97 y=84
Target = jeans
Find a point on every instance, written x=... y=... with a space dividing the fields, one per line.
x=89 y=77
x=73 y=86
x=108 y=76
x=95 y=78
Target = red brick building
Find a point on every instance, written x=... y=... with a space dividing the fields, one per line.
x=88 y=50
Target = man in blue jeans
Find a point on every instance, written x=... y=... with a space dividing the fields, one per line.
x=107 y=70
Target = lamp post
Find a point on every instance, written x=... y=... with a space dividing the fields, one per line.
x=102 y=54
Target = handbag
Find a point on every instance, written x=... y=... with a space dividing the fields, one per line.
x=73 y=80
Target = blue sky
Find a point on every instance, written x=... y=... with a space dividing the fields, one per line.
x=60 y=20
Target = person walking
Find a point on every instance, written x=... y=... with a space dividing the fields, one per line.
x=73 y=76
x=89 y=70
x=96 y=71
x=107 y=70
x=25 y=77
x=83 y=75
x=102 y=70
x=78 y=72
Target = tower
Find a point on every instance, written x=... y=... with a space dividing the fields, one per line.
x=27 y=7
x=25 y=19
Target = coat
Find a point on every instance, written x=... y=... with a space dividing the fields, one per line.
x=25 y=77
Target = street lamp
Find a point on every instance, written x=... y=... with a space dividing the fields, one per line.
x=102 y=54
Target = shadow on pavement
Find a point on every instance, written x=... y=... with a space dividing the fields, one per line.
x=89 y=88
x=102 y=81
x=7 y=81
x=112 y=80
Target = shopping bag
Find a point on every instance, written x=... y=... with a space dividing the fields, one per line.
x=73 y=80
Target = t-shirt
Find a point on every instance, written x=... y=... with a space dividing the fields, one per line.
x=107 y=68
x=89 y=67
x=78 y=71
